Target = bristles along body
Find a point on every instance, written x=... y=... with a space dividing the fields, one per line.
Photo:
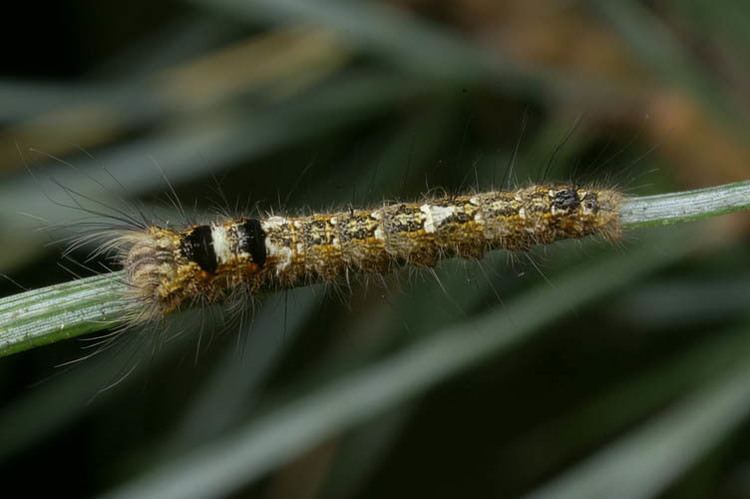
x=170 y=269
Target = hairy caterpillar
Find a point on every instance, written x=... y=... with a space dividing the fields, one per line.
x=169 y=269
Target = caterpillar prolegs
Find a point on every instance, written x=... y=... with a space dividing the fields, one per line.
x=168 y=269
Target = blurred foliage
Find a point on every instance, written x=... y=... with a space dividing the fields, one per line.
x=582 y=371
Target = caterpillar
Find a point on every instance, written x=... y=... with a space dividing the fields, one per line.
x=168 y=269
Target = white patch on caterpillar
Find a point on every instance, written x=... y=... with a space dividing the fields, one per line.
x=330 y=231
x=300 y=244
x=474 y=200
x=274 y=222
x=435 y=216
x=379 y=232
x=222 y=244
x=282 y=254
x=335 y=241
x=242 y=241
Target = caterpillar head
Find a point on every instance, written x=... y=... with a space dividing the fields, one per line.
x=588 y=210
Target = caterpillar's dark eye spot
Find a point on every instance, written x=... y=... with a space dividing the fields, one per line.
x=197 y=246
x=590 y=202
x=566 y=199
